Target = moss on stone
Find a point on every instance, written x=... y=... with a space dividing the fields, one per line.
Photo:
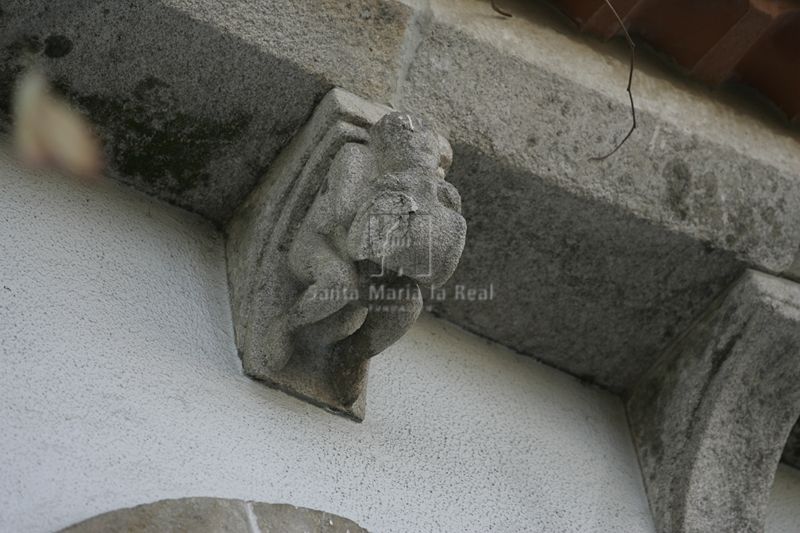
x=153 y=141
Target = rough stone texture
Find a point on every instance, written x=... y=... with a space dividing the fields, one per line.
x=194 y=99
x=328 y=255
x=596 y=266
x=711 y=418
x=578 y=284
x=216 y=515
x=120 y=384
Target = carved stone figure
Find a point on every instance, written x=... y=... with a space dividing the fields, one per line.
x=366 y=222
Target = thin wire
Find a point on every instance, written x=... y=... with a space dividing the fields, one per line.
x=630 y=81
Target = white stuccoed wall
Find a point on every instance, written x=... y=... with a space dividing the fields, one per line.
x=783 y=515
x=120 y=385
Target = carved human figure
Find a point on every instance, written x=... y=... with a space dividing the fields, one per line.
x=383 y=223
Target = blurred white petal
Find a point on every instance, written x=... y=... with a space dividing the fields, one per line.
x=48 y=132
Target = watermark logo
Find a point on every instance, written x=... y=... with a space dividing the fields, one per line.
x=399 y=248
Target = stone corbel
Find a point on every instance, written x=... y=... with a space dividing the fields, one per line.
x=327 y=256
x=711 y=419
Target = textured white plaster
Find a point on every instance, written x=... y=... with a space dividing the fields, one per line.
x=120 y=385
x=783 y=512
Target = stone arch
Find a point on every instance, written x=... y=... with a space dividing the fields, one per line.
x=711 y=419
x=207 y=515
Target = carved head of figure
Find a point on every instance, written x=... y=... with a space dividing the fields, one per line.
x=411 y=222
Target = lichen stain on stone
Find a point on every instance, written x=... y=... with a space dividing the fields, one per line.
x=678 y=177
x=741 y=225
x=57 y=46
x=696 y=198
x=770 y=217
x=155 y=142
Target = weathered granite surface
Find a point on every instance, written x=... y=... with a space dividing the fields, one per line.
x=595 y=267
x=711 y=418
x=191 y=110
x=215 y=515
x=328 y=256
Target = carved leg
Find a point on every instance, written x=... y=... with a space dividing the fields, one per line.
x=321 y=336
x=393 y=306
x=334 y=282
